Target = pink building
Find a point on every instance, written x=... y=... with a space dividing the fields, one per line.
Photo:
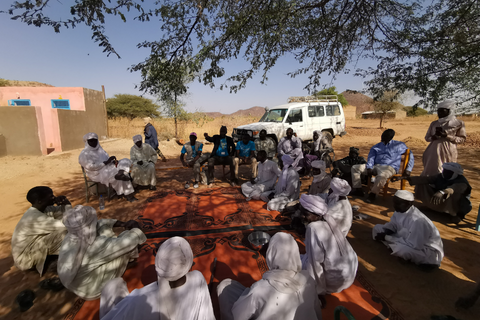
x=62 y=116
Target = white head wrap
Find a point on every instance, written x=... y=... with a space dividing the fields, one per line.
x=91 y=155
x=88 y=136
x=174 y=259
x=283 y=261
x=319 y=164
x=340 y=188
x=287 y=162
x=450 y=105
x=405 y=195
x=137 y=138
x=81 y=223
x=455 y=167
x=317 y=205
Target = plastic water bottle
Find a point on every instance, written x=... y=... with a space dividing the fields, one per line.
x=101 y=203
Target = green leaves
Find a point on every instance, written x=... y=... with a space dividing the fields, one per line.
x=131 y=106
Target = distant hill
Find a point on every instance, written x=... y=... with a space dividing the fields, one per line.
x=359 y=100
x=19 y=83
x=252 y=112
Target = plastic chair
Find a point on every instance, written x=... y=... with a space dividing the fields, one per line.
x=341 y=309
x=89 y=184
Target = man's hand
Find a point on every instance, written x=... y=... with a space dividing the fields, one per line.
x=407 y=173
x=61 y=201
x=380 y=236
x=110 y=160
x=129 y=225
x=191 y=163
x=437 y=198
x=442 y=133
x=140 y=163
x=370 y=172
x=448 y=192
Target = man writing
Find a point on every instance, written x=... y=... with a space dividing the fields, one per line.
x=194 y=159
x=245 y=154
x=222 y=153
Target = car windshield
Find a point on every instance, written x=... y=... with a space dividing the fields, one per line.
x=274 y=115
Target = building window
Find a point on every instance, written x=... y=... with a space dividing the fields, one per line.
x=61 y=104
x=19 y=102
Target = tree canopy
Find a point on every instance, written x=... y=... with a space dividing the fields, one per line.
x=386 y=103
x=431 y=48
x=332 y=91
x=131 y=106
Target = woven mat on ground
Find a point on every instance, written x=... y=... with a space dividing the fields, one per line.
x=212 y=223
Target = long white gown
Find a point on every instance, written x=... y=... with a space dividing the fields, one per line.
x=283 y=197
x=268 y=173
x=144 y=174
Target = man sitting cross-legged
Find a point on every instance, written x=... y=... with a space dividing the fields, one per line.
x=330 y=259
x=176 y=295
x=144 y=158
x=285 y=292
x=321 y=180
x=223 y=153
x=245 y=154
x=99 y=167
x=194 y=159
x=91 y=254
x=268 y=173
x=40 y=231
x=410 y=234
x=287 y=188
x=383 y=162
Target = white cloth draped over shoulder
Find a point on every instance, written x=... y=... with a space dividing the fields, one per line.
x=158 y=300
x=340 y=210
x=103 y=259
x=268 y=173
x=291 y=147
x=37 y=235
x=415 y=237
x=284 y=293
x=286 y=190
x=143 y=174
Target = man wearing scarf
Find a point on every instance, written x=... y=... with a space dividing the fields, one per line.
x=410 y=234
x=329 y=257
x=176 y=295
x=321 y=180
x=91 y=254
x=285 y=292
x=447 y=192
x=339 y=206
x=292 y=146
x=443 y=134
x=343 y=167
x=268 y=173
x=143 y=157
x=101 y=168
x=287 y=188
x=151 y=137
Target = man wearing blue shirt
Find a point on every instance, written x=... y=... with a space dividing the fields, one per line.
x=245 y=155
x=195 y=158
x=383 y=162
x=223 y=153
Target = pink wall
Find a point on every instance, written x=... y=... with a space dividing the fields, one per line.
x=41 y=97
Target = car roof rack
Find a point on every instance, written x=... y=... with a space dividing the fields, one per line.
x=321 y=98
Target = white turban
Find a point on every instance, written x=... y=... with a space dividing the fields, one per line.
x=283 y=261
x=450 y=105
x=88 y=136
x=137 y=138
x=319 y=164
x=405 y=195
x=340 y=187
x=174 y=259
x=81 y=223
x=455 y=167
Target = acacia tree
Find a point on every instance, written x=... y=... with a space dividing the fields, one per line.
x=131 y=106
x=332 y=91
x=386 y=103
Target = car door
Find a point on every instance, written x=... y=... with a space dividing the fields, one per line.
x=295 y=120
x=335 y=117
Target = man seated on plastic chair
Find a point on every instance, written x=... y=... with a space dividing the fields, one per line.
x=106 y=170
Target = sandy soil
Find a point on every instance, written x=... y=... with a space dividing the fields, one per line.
x=415 y=293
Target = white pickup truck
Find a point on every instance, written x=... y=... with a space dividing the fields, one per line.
x=303 y=114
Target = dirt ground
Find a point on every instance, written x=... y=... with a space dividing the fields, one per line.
x=415 y=293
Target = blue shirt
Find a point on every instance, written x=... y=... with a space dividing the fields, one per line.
x=193 y=152
x=245 y=148
x=390 y=155
x=222 y=148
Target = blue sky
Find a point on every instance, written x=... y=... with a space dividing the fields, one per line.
x=71 y=59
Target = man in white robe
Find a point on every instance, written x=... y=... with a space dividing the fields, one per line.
x=321 y=180
x=101 y=168
x=292 y=146
x=176 y=295
x=330 y=259
x=339 y=207
x=285 y=292
x=91 y=254
x=40 y=231
x=410 y=234
x=268 y=173
x=287 y=188
x=143 y=157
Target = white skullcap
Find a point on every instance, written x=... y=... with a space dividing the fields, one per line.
x=137 y=138
x=340 y=187
x=314 y=204
x=90 y=135
x=447 y=104
x=319 y=164
x=287 y=160
x=174 y=259
x=405 y=195
x=453 y=166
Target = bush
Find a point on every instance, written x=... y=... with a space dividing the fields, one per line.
x=131 y=106
x=411 y=112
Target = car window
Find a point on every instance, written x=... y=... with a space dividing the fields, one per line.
x=332 y=110
x=275 y=115
x=295 y=115
x=316 y=111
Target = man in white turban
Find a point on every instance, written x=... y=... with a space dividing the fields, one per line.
x=292 y=146
x=176 y=295
x=321 y=180
x=447 y=192
x=106 y=170
x=285 y=292
x=143 y=157
x=444 y=135
x=339 y=207
x=91 y=254
x=410 y=234
x=330 y=259
x=268 y=173
x=287 y=188
x=40 y=231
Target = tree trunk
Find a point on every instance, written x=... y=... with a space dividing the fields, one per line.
x=175 y=117
x=382 y=119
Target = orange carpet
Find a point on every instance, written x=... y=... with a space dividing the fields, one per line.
x=217 y=223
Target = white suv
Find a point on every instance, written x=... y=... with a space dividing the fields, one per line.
x=303 y=114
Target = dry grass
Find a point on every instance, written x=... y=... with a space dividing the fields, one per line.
x=125 y=128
